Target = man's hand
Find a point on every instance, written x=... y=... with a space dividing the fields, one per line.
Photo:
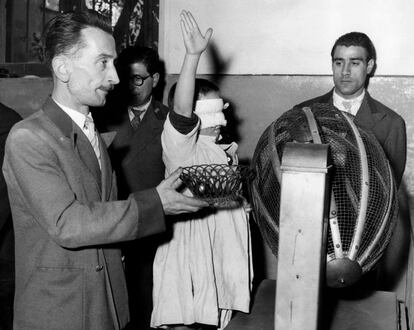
x=172 y=201
x=194 y=41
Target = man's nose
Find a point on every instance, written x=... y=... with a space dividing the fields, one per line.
x=346 y=69
x=113 y=76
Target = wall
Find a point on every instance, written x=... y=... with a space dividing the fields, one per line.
x=25 y=95
x=288 y=37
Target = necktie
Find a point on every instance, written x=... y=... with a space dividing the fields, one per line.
x=90 y=131
x=347 y=106
x=137 y=118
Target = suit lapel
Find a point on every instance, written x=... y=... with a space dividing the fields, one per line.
x=149 y=128
x=368 y=115
x=327 y=98
x=87 y=155
x=106 y=170
x=81 y=145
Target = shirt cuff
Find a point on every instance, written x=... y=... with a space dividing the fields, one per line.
x=183 y=124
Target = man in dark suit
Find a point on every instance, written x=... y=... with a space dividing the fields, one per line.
x=353 y=62
x=136 y=155
x=137 y=118
x=8 y=118
x=63 y=195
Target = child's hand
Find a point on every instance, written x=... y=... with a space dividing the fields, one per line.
x=194 y=41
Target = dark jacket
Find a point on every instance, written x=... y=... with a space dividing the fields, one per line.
x=387 y=126
x=8 y=118
x=136 y=155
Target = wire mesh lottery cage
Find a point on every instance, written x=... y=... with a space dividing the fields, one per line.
x=363 y=203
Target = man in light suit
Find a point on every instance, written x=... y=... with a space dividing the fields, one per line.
x=353 y=62
x=69 y=273
x=136 y=154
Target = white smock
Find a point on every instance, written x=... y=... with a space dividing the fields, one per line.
x=205 y=270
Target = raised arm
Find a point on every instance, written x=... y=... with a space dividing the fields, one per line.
x=195 y=44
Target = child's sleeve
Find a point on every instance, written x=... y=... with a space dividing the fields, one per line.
x=183 y=124
x=178 y=148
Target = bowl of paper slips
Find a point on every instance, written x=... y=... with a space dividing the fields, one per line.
x=216 y=183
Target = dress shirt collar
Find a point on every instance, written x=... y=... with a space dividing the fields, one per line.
x=355 y=102
x=76 y=116
x=143 y=108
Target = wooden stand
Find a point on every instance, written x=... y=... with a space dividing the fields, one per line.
x=302 y=236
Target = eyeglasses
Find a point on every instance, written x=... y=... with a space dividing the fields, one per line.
x=137 y=80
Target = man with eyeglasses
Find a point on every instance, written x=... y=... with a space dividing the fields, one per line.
x=136 y=155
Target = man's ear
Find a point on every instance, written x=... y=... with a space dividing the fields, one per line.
x=370 y=66
x=61 y=67
x=155 y=79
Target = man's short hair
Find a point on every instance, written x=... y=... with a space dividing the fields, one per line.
x=356 y=39
x=137 y=54
x=63 y=32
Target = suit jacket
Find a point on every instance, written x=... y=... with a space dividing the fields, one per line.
x=136 y=155
x=8 y=118
x=69 y=275
x=387 y=126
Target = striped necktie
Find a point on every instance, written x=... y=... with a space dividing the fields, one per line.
x=137 y=117
x=90 y=131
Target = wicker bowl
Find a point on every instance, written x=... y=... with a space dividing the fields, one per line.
x=215 y=183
